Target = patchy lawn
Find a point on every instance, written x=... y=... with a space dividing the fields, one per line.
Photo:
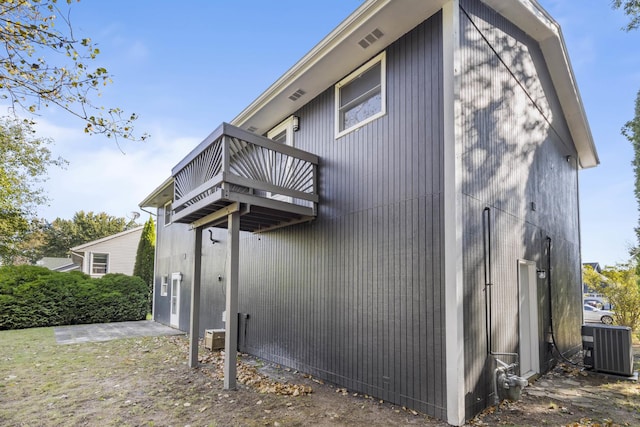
x=146 y=382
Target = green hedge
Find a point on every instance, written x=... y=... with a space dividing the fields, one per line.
x=35 y=296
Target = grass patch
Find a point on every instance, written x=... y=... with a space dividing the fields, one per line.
x=106 y=381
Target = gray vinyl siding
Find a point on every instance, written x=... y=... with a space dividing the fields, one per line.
x=514 y=149
x=174 y=254
x=356 y=296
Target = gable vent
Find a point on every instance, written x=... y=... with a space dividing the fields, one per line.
x=371 y=38
x=297 y=94
x=252 y=128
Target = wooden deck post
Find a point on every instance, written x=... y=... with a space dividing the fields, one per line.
x=231 y=333
x=194 y=323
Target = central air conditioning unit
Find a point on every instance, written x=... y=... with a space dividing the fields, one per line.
x=608 y=349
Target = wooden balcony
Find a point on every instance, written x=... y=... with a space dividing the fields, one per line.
x=272 y=185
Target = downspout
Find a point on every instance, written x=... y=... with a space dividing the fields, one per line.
x=504 y=378
x=488 y=279
x=549 y=259
x=149 y=212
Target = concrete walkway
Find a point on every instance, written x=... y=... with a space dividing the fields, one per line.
x=75 y=334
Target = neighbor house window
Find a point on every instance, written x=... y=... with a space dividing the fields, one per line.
x=361 y=96
x=167 y=213
x=99 y=263
x=164 y=287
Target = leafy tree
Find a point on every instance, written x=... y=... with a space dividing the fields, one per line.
x=31 y=243
x=43 y=64
x=145 y=256
x=24 y=160
x=631 y=131
x=591 y=277
x=622 y=289
x=632 y=9
x=63 y=234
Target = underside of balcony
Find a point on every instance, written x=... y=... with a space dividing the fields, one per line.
x=271 y=185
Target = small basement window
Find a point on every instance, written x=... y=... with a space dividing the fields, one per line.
x=361 y=96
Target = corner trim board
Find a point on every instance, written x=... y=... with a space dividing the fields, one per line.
x=453 y=280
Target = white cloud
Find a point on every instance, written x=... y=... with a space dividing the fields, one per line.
x=103 y=177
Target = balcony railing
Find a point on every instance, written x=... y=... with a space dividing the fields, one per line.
x=275 y=183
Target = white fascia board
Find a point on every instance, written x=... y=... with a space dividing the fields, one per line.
x=334 y=57
x=104 y=239
x=564 y=81
x=530 y=17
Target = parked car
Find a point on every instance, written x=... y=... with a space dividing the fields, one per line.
x=598 y=302
x=595 y=315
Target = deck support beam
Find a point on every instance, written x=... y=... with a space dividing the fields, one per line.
x=231 y=320
x=194 y=322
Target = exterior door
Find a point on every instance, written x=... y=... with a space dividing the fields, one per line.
x=529 y=342
x=174 y=319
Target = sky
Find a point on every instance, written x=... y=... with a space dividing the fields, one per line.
x=186 y=67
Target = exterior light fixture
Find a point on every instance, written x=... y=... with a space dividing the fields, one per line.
x=296 y=123
x=542 y=274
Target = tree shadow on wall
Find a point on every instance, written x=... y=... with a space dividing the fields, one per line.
x=513 y=160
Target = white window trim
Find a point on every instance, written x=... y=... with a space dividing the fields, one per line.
x=286 y=125
x=164 y=286
x=93 y=254
x=165 y=213
x=382 y=59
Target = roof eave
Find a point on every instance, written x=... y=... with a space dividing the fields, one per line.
x=105 y=239
x=160 y=195
x=334 y=57
x=319 y=68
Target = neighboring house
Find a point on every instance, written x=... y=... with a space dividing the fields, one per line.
x=111 y=254
x=396 y=212
x=594 y=265
x=58 y=264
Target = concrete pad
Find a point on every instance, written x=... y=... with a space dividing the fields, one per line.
x=75 y=334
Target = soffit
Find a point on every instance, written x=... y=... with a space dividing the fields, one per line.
x=160 y=196
x=334 y=57
x=339 y=53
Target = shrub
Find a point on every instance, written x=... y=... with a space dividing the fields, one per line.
x=35 y=296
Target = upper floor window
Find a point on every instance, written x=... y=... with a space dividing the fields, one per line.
x=167 y=213
x=99 y=263
x=361 y=96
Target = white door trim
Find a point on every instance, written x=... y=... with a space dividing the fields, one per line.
x=174 y=305
x=528 y=319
